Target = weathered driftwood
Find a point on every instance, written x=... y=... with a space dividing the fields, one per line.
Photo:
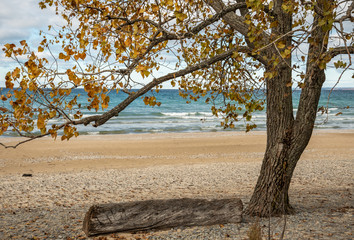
x=160 y=214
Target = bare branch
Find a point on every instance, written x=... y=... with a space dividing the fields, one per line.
x=348 y=14
x=340 y=50
x=18 y=144
x=31 y=138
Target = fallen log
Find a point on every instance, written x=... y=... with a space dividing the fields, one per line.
x=160 y=214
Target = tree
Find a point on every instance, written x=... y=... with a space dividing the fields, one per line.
x=220 y=50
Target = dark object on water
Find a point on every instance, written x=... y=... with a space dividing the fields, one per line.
x=27 y=175
x=160 y=214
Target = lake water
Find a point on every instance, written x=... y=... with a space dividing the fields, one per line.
x=174 y=115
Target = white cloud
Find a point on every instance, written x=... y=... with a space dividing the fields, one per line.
x=23 y=19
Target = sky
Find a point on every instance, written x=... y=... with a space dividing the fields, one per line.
x=23 y=19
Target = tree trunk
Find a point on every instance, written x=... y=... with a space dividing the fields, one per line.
x=287 y=138
x=286 y=141
x=161 y=214
x=270 y=196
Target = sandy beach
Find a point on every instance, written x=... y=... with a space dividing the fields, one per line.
x=69 y=177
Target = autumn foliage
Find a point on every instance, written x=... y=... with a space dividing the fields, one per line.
x=110 y=46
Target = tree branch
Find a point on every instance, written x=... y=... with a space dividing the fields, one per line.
x=31 y=138
x=101 y=119
x=4 y=110
x=238 y=24
x=18 y=144
x=348 y=14
x=170 y=36
x=220 y=14
x=340 y=50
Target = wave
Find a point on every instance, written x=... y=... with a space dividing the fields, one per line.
x=186 y=113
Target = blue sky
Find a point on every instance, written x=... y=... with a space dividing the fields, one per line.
x=23 y=19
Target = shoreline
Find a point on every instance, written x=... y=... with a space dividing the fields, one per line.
x=236 y=132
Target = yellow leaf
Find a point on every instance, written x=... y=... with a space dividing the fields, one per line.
x=180 y=16
x=95 y=43
x=274 y=24
x=105 y=101
x=248 y=21
x=40 y=121
x=155 y=8
x=128 y=42
x=83 y=56
x=289 y=84
x=169 y=3
x=53 y=133
x=301 y=85
x=52 y=114
x=40 y=49
x=144 y=73
x=32 y=86
x=16 y=73
x=286 y=53
x=61 y=56
x=281 y=44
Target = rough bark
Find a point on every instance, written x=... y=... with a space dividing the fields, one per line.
x=160 y=214
x=287 y=138
x=270 y=196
